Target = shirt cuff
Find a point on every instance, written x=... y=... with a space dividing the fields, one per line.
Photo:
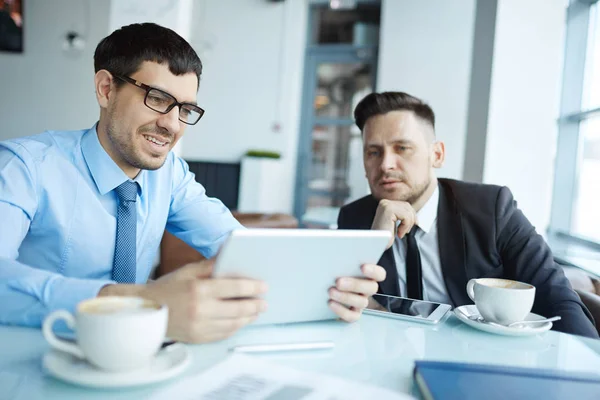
x=66 y=293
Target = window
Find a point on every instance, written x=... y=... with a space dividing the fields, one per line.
x=340 y=67
x=591 y=86
x=586 y=207
x=576 y=199
x=358 y=26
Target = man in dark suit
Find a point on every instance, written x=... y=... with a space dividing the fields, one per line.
x=447 y=231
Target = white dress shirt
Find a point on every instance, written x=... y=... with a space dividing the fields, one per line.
x=434 y=287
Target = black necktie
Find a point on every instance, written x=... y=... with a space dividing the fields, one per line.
x=414 y=281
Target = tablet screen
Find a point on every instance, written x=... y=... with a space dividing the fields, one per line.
x=399 y=305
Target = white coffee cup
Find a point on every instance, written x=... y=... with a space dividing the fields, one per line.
x=113 y=333
x=502 y=301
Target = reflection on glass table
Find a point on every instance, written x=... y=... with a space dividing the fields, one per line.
x=375 y=351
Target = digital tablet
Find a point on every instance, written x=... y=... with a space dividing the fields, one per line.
x=407 y=309
x=299 y=265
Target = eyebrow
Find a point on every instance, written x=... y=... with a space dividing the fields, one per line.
x=399 y=141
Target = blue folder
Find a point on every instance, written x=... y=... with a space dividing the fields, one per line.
x=448 y=381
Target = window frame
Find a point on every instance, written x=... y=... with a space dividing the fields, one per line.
x=571 y=115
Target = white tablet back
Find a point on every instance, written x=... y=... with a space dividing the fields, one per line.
x=299 y=265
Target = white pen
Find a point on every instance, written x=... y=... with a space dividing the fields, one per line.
x=301 y=346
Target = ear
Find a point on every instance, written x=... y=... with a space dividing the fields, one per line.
x=438 y=154
x=105 y=89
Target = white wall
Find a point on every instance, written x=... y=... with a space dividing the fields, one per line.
x=425 y=50
x=253 y=55
x=46 y=87
x=172 y=14
x=253 y=52
x=524 y=102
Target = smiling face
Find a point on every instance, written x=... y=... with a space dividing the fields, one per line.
x=400 y=153
x=135 y=136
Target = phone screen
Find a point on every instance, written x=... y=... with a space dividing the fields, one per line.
x=398 y=305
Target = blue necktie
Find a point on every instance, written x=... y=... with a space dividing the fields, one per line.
x=124 y=264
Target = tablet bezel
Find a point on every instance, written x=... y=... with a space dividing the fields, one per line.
x=307 y=247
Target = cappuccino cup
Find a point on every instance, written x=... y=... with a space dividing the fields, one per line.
x=502 y=301
x=113 y=333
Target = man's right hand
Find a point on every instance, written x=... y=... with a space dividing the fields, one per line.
x=389 y=212
x=201 y=309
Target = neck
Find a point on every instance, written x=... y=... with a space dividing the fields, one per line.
x=108 y=146
x=421 y=201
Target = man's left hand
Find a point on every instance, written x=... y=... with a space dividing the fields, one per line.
x=350 y=296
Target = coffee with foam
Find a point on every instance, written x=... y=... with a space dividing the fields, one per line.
x=117 y=305
x=502 y=301
x=504 y=283
x=113 y=333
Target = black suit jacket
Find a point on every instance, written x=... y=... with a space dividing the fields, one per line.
x=482 y=234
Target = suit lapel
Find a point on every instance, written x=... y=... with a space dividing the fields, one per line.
x=451 y=242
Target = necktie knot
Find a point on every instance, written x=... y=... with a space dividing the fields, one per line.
x=127 y=191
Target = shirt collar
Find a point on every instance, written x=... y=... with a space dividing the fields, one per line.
x=428 y=213
x=106 y=173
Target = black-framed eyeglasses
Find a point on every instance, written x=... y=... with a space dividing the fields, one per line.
x=163 y=102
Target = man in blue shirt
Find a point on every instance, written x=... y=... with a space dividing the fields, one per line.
x=83 y=212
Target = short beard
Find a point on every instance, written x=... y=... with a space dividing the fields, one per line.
x=414 y=194
x=126 y=150
x=418 y=192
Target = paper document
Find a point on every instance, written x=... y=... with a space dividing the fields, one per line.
x=242 y=377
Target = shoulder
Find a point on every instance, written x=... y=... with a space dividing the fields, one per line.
x=38 y=148
x=176 y=167
x=477 y=198
x=359 y=213
x=360 y=205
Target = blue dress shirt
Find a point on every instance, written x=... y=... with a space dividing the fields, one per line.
x=58 y=220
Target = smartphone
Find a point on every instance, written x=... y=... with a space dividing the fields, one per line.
x=408 y=309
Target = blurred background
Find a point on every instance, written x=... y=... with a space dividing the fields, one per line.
x=515 y=85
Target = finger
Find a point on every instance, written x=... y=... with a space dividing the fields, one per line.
x=385 y=218
x=404 y=227
x=374 y=272
x=229 y=288
x=344 y=313
x=374 y=305
x=367 y=287
x=223 y=309
x=351 y=300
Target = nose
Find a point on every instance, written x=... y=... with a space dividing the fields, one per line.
x=388 y=161
x=170 y=121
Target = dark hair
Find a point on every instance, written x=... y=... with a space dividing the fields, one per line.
x=382 y=103
x=123 y=51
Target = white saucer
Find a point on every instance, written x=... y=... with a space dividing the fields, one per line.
x=169 y=362
x=463 y=312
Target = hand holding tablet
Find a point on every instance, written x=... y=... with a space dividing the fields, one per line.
x=301 y=266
